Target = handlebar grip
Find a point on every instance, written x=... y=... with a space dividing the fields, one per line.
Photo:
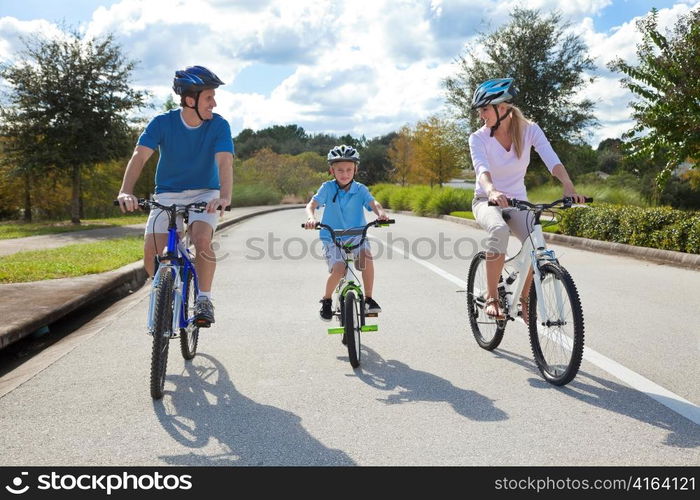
x=318 y=224
x=589 y=200
x=512 y=202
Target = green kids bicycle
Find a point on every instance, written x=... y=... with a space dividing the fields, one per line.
x=348 y=298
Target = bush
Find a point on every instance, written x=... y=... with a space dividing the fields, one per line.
x=446 y=200
x=420 y=196
x=248 y=195
x=400 y=199
x=382 y=193
x=663 y=227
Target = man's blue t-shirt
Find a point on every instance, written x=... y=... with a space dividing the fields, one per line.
x=346 y=211
x=187 y=155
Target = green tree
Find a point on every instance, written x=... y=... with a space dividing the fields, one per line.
x=666 y=83
x=439 y=149
x=549 y=68
x=69 y=101
x=402 y=156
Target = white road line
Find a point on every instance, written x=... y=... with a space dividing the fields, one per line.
x=667 y=398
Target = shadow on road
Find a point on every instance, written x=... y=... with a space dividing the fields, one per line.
x=617 y=398
x=205 y=411
x=409 y=385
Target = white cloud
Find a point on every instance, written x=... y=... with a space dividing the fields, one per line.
x=362 y=66
x=12 y=31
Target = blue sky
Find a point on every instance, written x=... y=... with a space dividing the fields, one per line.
x=364 y=67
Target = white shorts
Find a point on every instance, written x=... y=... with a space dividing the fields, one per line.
x=333 y=254
x=158 y=220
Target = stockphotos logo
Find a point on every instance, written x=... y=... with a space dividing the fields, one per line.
x=16 y=488
x=107 y=483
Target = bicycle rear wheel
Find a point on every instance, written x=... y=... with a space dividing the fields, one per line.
x=487 y=331
x=557 y=338
x=351 y=316
x=163 y=315
x=189 y=336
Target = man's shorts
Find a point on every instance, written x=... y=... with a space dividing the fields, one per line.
x=333 y=254
x=158 y=219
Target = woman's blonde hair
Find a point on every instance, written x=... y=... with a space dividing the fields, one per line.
x=518 y=123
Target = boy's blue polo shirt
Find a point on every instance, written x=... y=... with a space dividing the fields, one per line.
x=346 y=211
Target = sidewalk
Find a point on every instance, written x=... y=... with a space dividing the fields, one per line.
x=27 y=307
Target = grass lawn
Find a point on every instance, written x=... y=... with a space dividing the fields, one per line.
x=15 y=229
x=71 y=260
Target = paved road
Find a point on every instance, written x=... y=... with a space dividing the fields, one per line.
x=270 y=387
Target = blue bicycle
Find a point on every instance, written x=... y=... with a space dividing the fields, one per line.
x=173 y=291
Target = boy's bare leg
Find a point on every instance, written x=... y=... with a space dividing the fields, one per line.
x=334 y=278
x=366 y=264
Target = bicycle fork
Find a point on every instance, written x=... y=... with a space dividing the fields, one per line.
x=176 y=300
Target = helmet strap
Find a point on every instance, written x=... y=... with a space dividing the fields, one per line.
x=499 y=118
x=338 y=187
x=196 y=105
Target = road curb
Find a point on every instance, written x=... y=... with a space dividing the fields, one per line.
x=655 y=255
x=44 y=302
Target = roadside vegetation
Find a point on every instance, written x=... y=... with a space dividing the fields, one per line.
x=71 y=260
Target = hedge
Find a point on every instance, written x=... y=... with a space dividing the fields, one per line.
x=662 y=227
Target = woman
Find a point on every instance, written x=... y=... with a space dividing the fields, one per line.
x=500 y=152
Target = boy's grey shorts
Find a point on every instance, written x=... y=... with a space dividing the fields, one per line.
x=333 y=254
x=159 y=223
x=491 y=218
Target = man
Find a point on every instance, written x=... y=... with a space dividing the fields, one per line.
x=195 y=164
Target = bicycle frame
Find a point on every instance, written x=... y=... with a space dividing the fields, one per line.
x=346 y=285
x=178 y=262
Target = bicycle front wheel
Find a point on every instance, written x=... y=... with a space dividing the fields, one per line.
x=487 y=331
x=163 y=315
x=351 y=316
x=557 y=337
x=189 y=336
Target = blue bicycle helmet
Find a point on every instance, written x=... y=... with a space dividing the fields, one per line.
x=493 y=92
x=195 y=79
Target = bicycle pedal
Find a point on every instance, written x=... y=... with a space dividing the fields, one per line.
x=202 y=323
x=371 y=315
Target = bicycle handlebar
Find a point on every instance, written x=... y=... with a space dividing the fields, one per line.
x=199 y=206
x=565 y=202
x=352 y=232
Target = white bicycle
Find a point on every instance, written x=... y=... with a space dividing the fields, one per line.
x=554 y=308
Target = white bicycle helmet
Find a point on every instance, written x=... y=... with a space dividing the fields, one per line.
x=343 y=153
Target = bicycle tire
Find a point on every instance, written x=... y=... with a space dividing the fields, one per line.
x=557 y=341
x=352 y=328
x=163 y=315
x=189 y=336
x=487 y=331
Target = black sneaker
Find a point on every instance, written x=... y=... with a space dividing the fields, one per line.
x=203 y=312
x=326 y=311
x=371 y=306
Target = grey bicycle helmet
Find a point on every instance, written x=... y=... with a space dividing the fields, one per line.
x=195 y=79
x=494 y=92
x=343 y=153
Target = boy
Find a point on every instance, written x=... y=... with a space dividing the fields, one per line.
x=344 y=199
